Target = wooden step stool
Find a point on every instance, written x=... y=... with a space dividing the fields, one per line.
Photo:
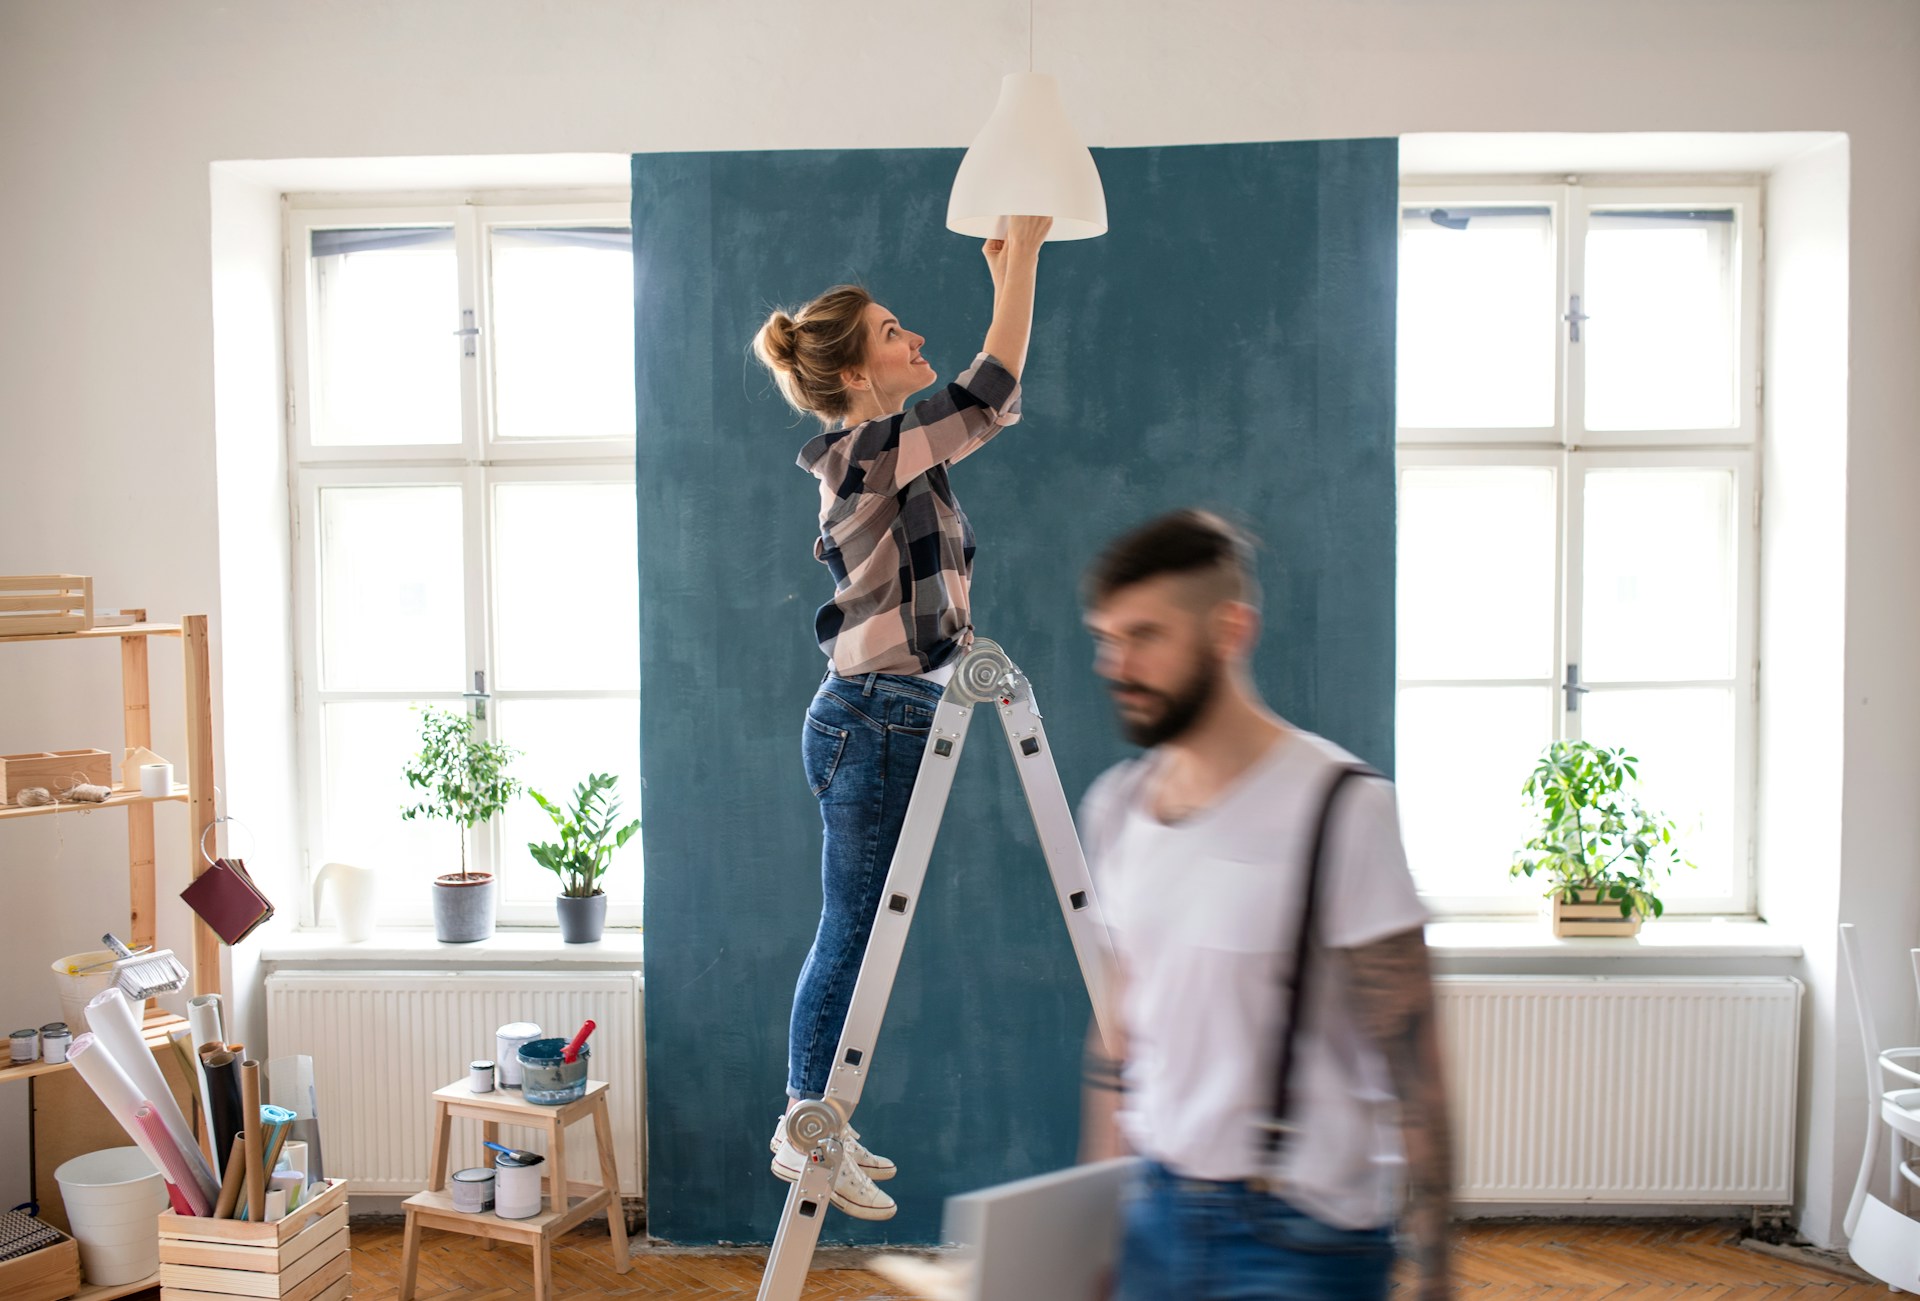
x=433 y=1209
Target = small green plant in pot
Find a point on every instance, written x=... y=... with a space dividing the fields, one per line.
x=463 y=779
x=580 y=856
x=1604 y=853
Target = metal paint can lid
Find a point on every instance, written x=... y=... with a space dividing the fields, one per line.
x=479 y=1174
x=54 y=1027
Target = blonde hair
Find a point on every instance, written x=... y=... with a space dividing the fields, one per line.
x=808 y=349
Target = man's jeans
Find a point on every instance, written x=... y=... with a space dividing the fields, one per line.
x=861 y=747
x=1198 y=1240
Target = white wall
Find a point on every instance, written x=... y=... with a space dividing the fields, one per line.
x=110 y=115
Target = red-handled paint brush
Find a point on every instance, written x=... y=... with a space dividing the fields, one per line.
x=571 y=1052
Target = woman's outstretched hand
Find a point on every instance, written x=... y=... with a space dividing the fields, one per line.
x=1027 y=234
x=995 y=251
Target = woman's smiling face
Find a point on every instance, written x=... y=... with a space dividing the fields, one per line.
x=894 y=368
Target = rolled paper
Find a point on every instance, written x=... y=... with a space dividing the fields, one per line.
x=250 y=1115
x=222 y=1070
x=274 y=1145
x=98 y=1067
x=203 y=1021
x=111 y=1018
x=231 y=1185
x=173 y=1162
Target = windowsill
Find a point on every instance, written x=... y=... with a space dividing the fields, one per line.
x=1531 y=937
x=537 y=948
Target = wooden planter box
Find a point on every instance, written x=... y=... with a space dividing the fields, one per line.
x=1591 y=916
x=32 y=605
x=49 y=1274
x=54 y=769
x=301 y=1258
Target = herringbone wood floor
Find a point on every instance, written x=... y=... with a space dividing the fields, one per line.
x=1566 y=1262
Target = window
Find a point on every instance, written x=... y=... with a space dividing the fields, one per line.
x=1578 y=404
x=461 y=380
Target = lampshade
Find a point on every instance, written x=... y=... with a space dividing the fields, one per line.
x=1028 y=161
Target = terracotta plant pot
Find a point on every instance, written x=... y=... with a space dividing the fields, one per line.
x=1591 y=916
x=463 y=908
x=582 y=920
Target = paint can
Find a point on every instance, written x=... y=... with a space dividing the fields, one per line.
x=23 y=1046
x=473 y=1190
x=517 y=1188
x=507 y=1040
x=54 y=1041
x=480 y=1077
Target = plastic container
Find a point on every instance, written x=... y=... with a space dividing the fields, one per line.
x=113 y=1197
x=508 y=1040
x=547 y=1080
x=516 y=1188
x=77 y=991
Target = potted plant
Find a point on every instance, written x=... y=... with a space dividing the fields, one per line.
x=465 y=781
x=1604 y=853
x=580 y=857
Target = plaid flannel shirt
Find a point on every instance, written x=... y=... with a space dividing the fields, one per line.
x=892 y=533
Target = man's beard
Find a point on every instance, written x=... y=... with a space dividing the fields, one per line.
x=1179 y=710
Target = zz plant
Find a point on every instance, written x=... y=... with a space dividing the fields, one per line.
x=1592 y=831
x=587 y=833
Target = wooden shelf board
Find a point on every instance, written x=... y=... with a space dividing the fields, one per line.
x=126 y=630
x=118 y=799
x=106 y=1292
x=487 y=1224
x=155 y=1031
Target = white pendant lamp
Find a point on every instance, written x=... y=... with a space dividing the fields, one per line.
x=1028 y=161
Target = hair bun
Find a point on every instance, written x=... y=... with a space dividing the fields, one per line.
x=778 y=342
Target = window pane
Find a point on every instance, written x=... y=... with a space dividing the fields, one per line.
x=392 y=590
x=567 y=586
x=1684 y=741
x=386 y=360
x=563 y=332
x=1661 y=343
x=1477 y=318
x=1461 y=756
x=1658 y=598
x=564 y=741
x=1476 y=581
x=365 y=744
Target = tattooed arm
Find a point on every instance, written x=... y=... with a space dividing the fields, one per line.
x=1391 y=986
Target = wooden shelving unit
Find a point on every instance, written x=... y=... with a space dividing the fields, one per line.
x=64 y=1132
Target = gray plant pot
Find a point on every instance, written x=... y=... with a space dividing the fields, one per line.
x=582 y=920
x=463 y=910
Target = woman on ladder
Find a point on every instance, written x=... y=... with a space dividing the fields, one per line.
x=901 y=554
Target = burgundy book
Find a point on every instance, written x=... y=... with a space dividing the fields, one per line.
x=227 y=900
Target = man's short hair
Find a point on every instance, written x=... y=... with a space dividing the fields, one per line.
x=1194 y=543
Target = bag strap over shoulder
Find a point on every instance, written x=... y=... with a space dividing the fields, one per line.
x=1280 y=1126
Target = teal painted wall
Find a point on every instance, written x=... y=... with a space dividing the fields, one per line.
x=1228 y=344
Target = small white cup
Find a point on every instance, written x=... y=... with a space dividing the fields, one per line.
x=156 y=780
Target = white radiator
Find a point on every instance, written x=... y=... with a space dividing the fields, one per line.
x=383 y=1041
x=1622 y=1090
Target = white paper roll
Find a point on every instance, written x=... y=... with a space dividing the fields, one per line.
x=111 y=1017
x=203 y=1019
x=110 y=1084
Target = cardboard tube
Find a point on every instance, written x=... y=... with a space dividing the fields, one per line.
x=273 y=1149
x=250 y=1121
x=223 y=1088
x=230 y=1186
x=203 y=1020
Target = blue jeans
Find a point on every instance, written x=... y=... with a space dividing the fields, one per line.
x=861 y=748
x=1198 y=1240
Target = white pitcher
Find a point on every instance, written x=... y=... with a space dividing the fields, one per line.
x=353 y=898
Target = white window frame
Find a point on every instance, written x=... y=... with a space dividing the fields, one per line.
x=477 y=465
x=1572 y=451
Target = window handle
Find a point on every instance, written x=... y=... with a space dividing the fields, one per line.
x=479 y=696
x=1573 y=688
x=468 y=330
x=1573 y=317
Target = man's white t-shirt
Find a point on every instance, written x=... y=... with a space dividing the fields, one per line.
x=1204 y=915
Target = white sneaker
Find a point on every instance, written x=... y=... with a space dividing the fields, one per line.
x=878 y=1167
x=853 y=1191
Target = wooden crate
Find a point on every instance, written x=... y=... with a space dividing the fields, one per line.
x=1591 y=916
x=50 y=1274
x=35 y=604
x=56 y=770
x=301 y=1258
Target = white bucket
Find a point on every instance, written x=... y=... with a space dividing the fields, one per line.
x=77 y=991
x=113 y=1197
